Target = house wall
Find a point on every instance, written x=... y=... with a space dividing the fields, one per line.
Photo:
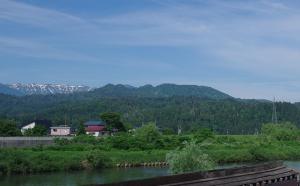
x=60 y=131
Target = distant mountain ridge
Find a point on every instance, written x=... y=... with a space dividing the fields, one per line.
x=163 y=90
x=5 y=89
x=19 y=89
x=119 y=90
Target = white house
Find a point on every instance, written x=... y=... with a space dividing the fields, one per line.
x=26 y=127
x=60 y=131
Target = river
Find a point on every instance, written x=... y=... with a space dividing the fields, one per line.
x=93 y=177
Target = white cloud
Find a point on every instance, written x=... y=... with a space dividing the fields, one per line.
x=259 y=37
x=29 y=48
x=33 y=15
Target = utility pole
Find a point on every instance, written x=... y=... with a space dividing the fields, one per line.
x=179 y=129
x=274 y=114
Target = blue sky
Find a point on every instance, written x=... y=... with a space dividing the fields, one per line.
x=246 y=48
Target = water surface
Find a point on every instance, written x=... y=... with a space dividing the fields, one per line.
x=93 y=177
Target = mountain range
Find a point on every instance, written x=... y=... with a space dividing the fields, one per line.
x=19 y=89
x=110 y=90
x=168 y=105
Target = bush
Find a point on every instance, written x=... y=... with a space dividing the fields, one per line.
x=282 y=131
x=85 y=139
x=98 y=159
x=203 y=134
x=9 y=128
x=189 y=159
x=61 y=141
x=149 y=136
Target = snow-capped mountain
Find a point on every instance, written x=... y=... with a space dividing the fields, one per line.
x=30 y=89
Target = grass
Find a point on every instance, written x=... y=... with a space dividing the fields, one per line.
x=223 y=149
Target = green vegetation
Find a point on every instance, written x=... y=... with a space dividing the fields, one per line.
x=80 y=130
x=9 y=128
x=113 y=121
x=180 y=108
x=197 y=151
x=189 y=159
x=38 y=130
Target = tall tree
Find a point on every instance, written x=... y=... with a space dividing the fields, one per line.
x=9 y=128
x=80 y=130
x=113 y=121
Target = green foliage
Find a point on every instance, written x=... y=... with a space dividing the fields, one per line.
x=189 y=159
x=8 y=128
x=38 y=130
x=98 y=160
x=113 y=121
x=234 y=116
x=85 y=139
x=203 y=134
x=149 y=136
x=80 y=130
x=148 y=133
x=282 y=131
x=168 y=131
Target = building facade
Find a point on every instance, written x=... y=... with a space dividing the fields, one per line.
x=96 y=128
x=60 y=131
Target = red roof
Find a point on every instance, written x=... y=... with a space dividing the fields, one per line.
x=95 y=128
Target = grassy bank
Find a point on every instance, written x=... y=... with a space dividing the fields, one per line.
x=78 y=156
x=277 y=142
x=44 y=160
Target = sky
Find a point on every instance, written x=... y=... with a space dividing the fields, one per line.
x=246 y=48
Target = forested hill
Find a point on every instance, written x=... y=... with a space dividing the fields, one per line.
x=138 y=106
x=163 y=90
x=110 y=90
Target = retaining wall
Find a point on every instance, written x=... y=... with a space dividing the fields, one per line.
x=27 y=141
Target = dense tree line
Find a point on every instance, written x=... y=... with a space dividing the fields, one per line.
x=232 y=116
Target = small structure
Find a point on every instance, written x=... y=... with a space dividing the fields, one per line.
x=95 y=128
x=28 y=126
x=60 y=131
x=32 y=124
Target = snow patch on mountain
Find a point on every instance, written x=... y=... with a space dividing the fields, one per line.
x=33 y=88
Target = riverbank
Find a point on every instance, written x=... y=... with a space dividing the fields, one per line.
x=80 y=156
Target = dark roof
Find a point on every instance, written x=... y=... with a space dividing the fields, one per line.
x=94 y=123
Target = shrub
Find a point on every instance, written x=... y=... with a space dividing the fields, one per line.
x=189 y=159
x=9 y=128
x=85 y=139
x=282 y=131
x=98 y=159
x=149 y=136
x=203 y=134
x=61 y=141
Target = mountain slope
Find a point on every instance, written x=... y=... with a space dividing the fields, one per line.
x=163 y=90
x=110 y=90
x=5 y=89
x=232 y=116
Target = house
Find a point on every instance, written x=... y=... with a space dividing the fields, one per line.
x=95 y=128
x=28 y=126
x=60 y=131
x=32 y=124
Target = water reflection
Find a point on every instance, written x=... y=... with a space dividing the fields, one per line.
x=92 y=177
x=82 y=177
